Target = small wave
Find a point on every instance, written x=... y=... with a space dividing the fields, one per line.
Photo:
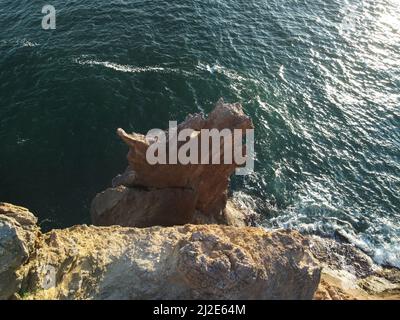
x=389 y=254
x=282 y=73
x=238 y=83
x=27 y=43
x=20 y=43
x=21 y=141
x=382 y=253
x=216 y=68
x=124 y=68
x=131 y=69
x=244 y=202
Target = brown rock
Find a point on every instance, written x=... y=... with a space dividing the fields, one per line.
x=208 y=183
x=143 y=207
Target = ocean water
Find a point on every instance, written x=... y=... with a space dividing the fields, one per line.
x=321 y=80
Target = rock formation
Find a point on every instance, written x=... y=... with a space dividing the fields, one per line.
x=182 y=262
x=203 y=260
x=174 y=194
x=18 y=233
x=349 y=274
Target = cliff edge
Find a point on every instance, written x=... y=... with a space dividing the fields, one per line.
x=171 y=232
x=181 y=262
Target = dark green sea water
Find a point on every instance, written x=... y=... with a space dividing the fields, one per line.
x=320 y=78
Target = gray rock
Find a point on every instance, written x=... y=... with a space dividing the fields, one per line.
x=18 y=232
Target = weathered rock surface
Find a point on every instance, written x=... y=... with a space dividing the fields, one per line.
x=143 y=207
x=18 y=234
x=342 y=285
x=182 y=262
x=232 y=215
x=349 y=274
x=173 y=194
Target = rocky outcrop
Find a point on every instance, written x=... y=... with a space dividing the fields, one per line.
x=350 y=274
x=182 y=262
x=18 y=234
x=195 y=256
x=142 y=207
x=384 y=284
x=173 y=194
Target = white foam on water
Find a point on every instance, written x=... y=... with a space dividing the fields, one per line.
x=244 y=201
x=316 y=212
x=27 y=43
x=282 y=73
x=382 y=253
x=216 y=68
x=86 y=60
x=389 y=254
x=238 y=82
x=122 y=67
x=21 y=43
